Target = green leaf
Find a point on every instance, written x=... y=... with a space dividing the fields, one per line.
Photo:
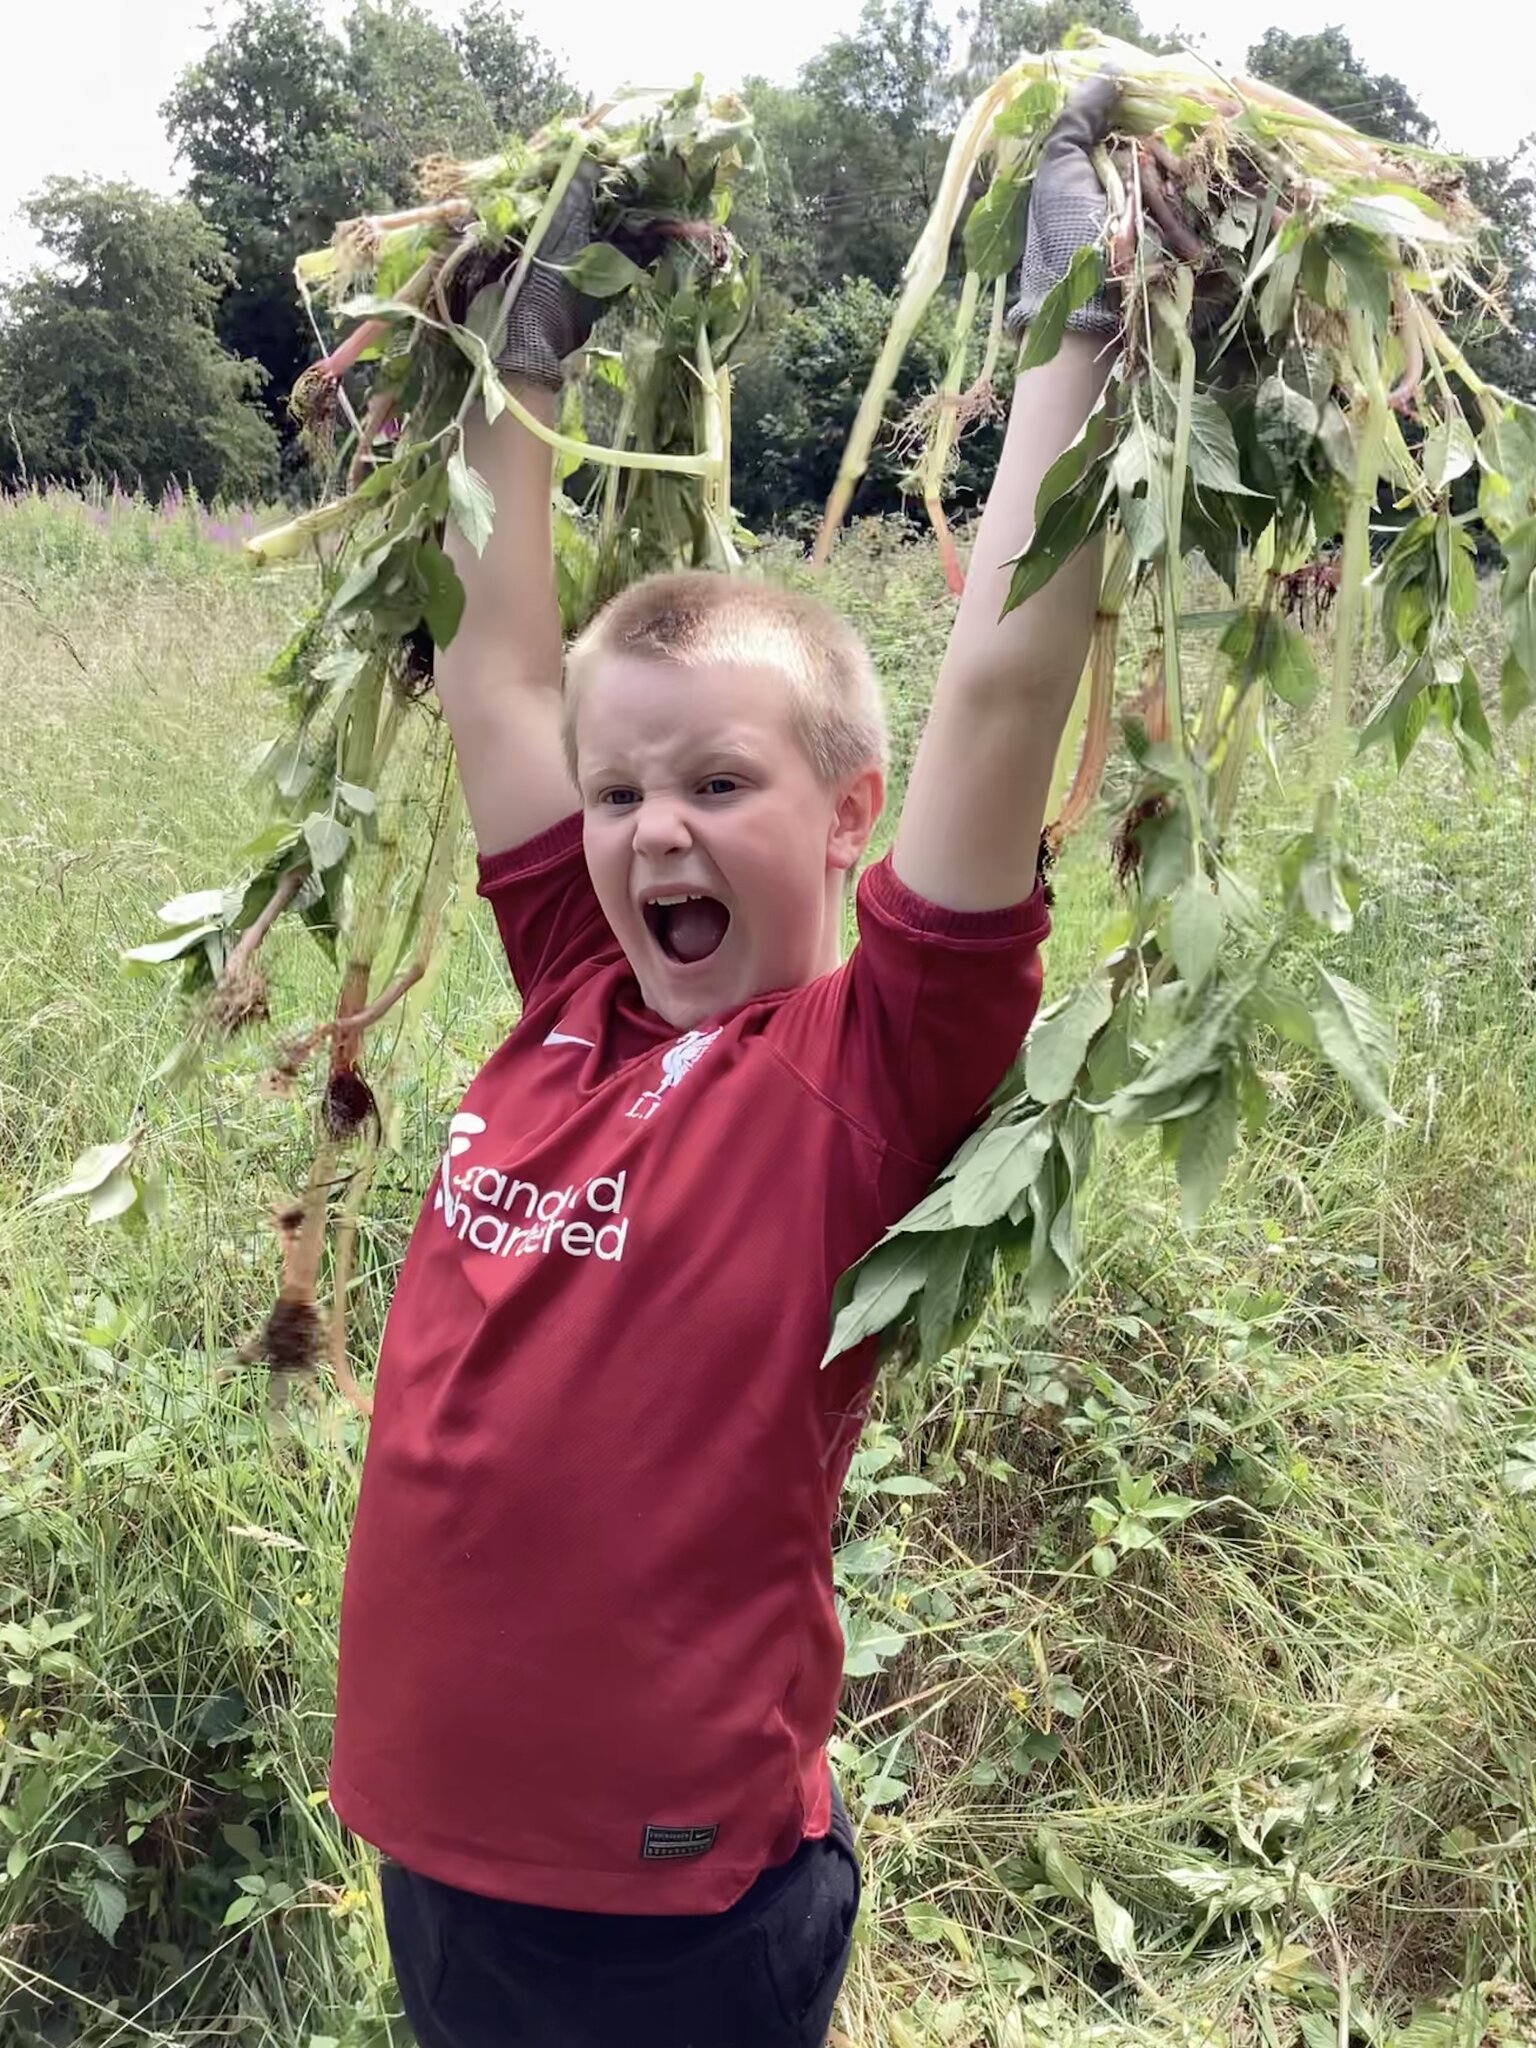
x=1103 y=1560
x=158 y=951
x=1277 y=1005
x=1449 y=451
x=867 y=1558
x=868 y=1644
x=1113 y=1927
x=104 y=1904
x=442 y=604
x=201 y=907
x=938 y=1306
x=1288 y=662
x=1058 y=1043
x=469 y=496
x=906 y=1484
x=994 y=228
x=884 y=1281
x=115 y=1197
x=93 y=1169
x=1206 y=1143
x=1194 y=929
x=361 y=800
x=1285 y=424
x=1068 y=524
x=240 y=1908
x=1517 y=689
x=327 y=839
x=1085 y=275
x=244 y=1840
x=1367 y=281
x=601 y=271
x=1354 y=1038
x=1320 y=879
x=1000 y=1169
x=1213 y=464
x=1061 y=1867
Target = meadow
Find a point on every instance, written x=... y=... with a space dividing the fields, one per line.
x=1191 y=1638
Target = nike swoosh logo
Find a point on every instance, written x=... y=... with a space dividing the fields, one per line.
x=567 y=1038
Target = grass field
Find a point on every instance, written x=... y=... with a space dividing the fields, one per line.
x=1272 y=1781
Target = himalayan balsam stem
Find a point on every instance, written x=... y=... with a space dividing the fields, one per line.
x=1173 y=553
x=1355 y=563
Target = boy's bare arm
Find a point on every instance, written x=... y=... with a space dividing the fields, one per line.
x=970 y=826
x=499 y=680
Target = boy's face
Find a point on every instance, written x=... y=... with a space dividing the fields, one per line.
x=716 y=851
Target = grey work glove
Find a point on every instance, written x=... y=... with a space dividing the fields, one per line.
x=1067 y=207
x=550 y=319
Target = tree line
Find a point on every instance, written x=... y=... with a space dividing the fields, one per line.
x=161 y=337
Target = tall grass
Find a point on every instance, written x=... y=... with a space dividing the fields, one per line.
x=1192 y=1694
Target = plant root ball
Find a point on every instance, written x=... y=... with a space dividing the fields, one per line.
x=1125 y=847
x=290 y=1340
x=349 y=1104
x=240 y=998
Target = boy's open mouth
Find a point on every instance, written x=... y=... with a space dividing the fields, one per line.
x=687 y=928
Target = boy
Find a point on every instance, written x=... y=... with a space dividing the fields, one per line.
x=589 y=1654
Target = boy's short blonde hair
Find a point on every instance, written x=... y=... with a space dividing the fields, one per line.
x=695 y=617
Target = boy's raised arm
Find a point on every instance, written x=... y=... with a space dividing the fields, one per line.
x=970 y=826
x=499 y=680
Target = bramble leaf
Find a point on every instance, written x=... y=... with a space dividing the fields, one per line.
x=105 y=1905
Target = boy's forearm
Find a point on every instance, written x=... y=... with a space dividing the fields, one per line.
x=1035 y=653
x=513 y=582
x=971 y=822
x=499 y=679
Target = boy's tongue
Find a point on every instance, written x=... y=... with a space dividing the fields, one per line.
x=695 y=928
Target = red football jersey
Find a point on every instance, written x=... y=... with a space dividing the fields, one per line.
x=589 y=1653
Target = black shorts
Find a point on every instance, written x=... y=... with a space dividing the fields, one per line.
x=488 y=1973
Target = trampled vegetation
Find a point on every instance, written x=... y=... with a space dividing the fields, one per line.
x=1191 y=1691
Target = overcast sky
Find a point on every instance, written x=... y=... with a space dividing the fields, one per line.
x=88 y=76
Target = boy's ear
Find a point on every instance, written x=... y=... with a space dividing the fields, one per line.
x=859 y=805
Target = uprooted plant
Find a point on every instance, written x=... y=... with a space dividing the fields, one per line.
x=1284 y=383
x=367 y=829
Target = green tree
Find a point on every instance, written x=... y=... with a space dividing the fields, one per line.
x=287 y=129
x=246 y=119
x=109 y=361
x=1504 y=188
x=518 y=81
x=855 y=151
x=795 y=395
x=1324 y=69
x=1003 y=30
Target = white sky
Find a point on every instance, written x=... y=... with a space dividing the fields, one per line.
x=89 y=75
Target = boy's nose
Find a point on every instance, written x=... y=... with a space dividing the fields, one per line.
x=662 y=827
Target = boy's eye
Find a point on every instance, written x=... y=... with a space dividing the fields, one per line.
x=619 y=799
x=721 y=785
